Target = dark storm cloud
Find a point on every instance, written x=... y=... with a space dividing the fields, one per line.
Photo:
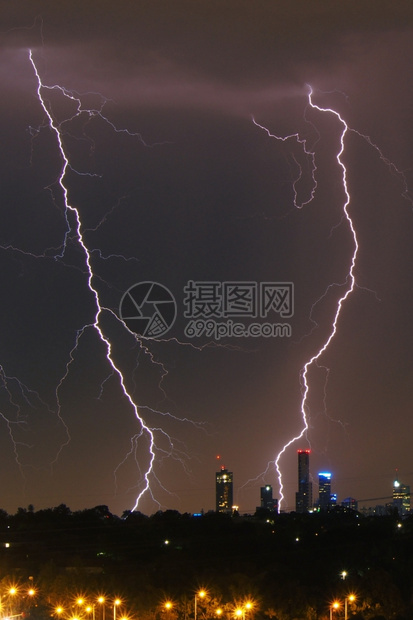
x=231 y=40
x=229 y=56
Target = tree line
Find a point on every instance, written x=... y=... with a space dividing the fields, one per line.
x=291 y=565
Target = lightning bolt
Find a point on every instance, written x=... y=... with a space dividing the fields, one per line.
x=74 y=234
x=76 y=230
x=350 y=281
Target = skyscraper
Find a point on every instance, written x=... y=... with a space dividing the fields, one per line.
x=401 y=497
x=267 y=500
x=324 y=491
x=304 y=495
x=223 y=490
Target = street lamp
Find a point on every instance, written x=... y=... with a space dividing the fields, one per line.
x=240 y=613
x=101 y=601
x=351 y=598
x=201 y=594
x=90 y=609
x=168 y=606
x=116 y=603
x=248 y=606
x=12 y=591
x=334 y=606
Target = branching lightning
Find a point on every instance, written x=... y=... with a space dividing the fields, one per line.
x=74 y=234
x=77 y=231
x=309 y=153
x=350 y=282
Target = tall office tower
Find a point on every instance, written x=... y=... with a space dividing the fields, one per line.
x=401 y=498
x=324 y=491
x=304 y=495
x=267 y=500
x=223 y=490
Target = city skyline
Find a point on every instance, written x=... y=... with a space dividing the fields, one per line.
x=312 y=496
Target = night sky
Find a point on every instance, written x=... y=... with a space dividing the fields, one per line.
x=173 y=182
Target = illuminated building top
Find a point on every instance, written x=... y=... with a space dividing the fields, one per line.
x=224 y=490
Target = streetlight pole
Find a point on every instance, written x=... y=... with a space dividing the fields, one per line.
x=101 y=601
x=168 y=606
x=12 y=592
x=201 y=594
x=91 y=609
x=350 y=598
x=116 y=602
x=334 y=606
